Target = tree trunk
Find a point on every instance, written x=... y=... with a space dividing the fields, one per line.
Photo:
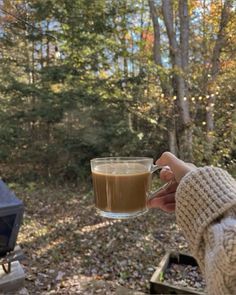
x=163 y=80
x=215 y=69
x=172 y=141
x=179 y=58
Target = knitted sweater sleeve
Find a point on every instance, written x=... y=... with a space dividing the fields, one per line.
x=206 y=211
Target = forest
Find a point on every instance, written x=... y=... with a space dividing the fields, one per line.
x=81 y=79
x=84 y=79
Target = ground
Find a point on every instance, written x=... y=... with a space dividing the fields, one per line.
x=69 y=249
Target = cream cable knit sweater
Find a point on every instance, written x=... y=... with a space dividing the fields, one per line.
x=206 y=211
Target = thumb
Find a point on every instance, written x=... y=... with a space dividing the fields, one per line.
x=177 y=166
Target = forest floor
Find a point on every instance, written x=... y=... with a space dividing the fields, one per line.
x=69 y=249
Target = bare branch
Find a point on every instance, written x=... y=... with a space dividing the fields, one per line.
x=167 y=10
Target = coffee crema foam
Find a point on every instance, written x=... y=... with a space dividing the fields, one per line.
x=121 y=168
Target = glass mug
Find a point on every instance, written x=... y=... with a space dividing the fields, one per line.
x=122 y=185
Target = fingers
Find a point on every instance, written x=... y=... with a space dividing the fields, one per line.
x=172 y=172
x=177 y=166
x=158 y=202
x=166 y=174
x=164 y=198
x=166 y=203
x=170 y=188
x=169 y=208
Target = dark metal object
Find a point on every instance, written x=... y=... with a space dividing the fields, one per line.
x=11 y=215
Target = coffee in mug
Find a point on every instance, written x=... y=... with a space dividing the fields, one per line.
x=121 y=185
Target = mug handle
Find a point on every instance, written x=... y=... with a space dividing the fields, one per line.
x=166 y=185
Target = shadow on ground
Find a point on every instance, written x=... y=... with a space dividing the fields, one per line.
x=71 y=250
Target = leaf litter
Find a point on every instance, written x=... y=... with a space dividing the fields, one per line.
x=69 y=249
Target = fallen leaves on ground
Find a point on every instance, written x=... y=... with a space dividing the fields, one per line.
x=69 y=249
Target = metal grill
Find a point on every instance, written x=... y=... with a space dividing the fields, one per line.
x=11 y=215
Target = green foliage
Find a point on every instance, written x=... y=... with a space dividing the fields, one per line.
x=101 y=95
x=161 y=276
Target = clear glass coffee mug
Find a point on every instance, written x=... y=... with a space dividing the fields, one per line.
x=122 y=185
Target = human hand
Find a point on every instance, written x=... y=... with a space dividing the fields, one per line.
x=173 y=172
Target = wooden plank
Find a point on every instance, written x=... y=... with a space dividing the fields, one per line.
x=161 y=268
x=159 y=287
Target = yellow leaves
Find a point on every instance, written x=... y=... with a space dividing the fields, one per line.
x=103 y=74
x=152 y=121
x=31 y=234
x=144 y=107
x=57 y=88
x=193 y=5
x=215 y=8
x=211 y=134
x=228 y=64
